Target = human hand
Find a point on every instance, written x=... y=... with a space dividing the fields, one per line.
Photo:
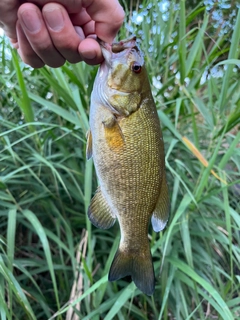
x=50 y=33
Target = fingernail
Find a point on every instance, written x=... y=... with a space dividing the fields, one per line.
x=31 y=20
x=54 y=18
x=80 y=32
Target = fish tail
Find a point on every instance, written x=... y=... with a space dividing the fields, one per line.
x=136 y=264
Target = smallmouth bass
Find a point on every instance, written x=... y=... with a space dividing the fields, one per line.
x=126 y=144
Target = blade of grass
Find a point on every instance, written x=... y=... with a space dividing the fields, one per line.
x=233 y=54
x=181 y=209
x=124 y=296
x=84 y=295
x=67 y=115
x=15 y=287
x=229 y=226
x=11 y=232
x=24 y=101
x=166 y=291
x=196 y=46
x=182 y=42
x=31 y=217
x=226 y=313
x=59 y=85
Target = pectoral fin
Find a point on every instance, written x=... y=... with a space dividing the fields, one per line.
x=99 y=212
x=113 y=134
x=89 y=145
x=161 y=211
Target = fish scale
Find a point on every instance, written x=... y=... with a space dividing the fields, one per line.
x=126 y=144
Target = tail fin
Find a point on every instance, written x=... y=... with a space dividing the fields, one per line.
x=138 y=265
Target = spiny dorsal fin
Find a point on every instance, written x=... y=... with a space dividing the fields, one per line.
x=99 y=212
x=161 y=211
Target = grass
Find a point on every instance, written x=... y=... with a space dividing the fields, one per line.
x=53 y=262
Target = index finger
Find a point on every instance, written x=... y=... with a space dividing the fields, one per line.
x=108 y=16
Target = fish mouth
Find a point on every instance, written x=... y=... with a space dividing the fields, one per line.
x=117 y=48
x=120 y=46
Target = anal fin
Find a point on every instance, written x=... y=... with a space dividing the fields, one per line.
x=161 y=211
x=99 y=212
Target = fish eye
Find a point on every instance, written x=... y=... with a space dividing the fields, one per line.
x=136 y=67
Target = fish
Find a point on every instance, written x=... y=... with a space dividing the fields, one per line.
x=126 y=144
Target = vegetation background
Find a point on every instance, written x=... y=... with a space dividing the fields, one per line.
x=53 y=262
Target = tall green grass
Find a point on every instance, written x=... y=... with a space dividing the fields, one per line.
x=53 y=262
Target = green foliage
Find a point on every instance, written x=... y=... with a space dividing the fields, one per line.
x=53 y=262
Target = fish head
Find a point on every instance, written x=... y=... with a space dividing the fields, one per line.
x=122 y=76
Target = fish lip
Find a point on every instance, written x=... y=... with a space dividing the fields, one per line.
x=106 y=51
x=122 y=45
x=109 y=51
x=118 y=46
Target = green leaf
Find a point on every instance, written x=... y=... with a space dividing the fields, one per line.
x=233 y=54
x=31 y=217
x=226 y=313
x=15 y=287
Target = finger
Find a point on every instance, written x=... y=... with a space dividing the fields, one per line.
x=108 y=16
x=84 y=20
x=90 y=51
x=63 y=34
x=80 y=18
x=26 y=51
x=8 y=18
x=72 y=6
x=34 y=28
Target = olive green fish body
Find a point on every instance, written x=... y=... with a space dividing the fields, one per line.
x=127 y=148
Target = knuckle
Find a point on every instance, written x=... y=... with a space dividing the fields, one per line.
x=56 y=64
x=74 y=59
x=66 y=44
x=42 y=47
x=33 y=62
x=30 y=58
x=68 y=49
x=74 y=6
x=121 y=15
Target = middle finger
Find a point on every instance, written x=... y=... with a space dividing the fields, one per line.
x=62 y=32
